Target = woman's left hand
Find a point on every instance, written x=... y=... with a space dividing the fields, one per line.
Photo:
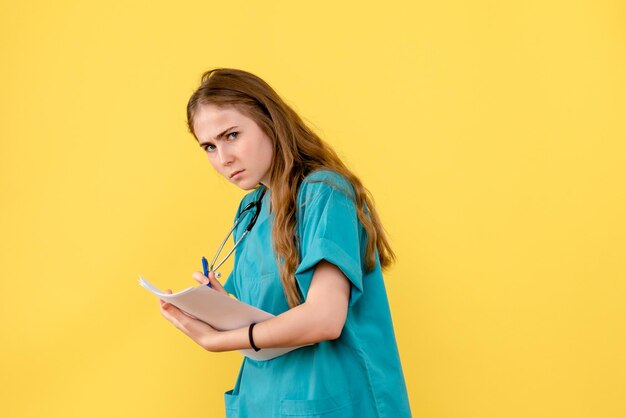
x=200 y=332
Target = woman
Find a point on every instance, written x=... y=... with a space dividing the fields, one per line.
x=313 y=258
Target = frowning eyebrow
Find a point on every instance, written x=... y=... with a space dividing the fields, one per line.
x=220 y=135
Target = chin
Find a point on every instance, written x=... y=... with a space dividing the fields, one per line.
x=247 y=185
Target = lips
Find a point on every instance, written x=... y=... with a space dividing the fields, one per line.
x=234 y=173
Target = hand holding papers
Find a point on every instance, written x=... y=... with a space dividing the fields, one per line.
x=219 y=311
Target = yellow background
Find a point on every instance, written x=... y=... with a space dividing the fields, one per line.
x=491 y=135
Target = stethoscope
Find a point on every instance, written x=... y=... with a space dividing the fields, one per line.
x=255 y=204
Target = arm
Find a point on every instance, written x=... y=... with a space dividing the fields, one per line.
x=321 y=317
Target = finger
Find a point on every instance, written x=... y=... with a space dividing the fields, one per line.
x=170 y=312
x=200 y=278
x=165 y=305
x=177 y=317
x=163 y=302
x=165 y=311
x=215 y=284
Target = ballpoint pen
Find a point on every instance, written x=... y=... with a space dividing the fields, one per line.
x=205 y=269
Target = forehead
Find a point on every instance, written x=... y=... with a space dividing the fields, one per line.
x=210 y=120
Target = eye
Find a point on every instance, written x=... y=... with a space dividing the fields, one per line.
x=232 y=133
x=208 y=147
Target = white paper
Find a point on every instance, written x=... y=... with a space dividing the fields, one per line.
x=220 y=311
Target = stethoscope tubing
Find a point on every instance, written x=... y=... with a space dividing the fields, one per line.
x=257 y=205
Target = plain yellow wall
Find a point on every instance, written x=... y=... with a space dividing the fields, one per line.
x=491 y=135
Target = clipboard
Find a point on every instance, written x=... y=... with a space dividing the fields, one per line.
x=219 y=311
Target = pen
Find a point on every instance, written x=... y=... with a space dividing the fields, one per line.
x=205 y=269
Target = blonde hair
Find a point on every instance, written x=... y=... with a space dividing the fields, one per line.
x=298 y=151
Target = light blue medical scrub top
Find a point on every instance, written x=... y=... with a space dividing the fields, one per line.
x=357 y=375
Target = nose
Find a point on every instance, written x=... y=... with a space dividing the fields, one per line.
x=225 y=157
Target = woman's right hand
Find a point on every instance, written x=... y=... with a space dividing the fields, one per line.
x=215 y=284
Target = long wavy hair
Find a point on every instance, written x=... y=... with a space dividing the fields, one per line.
x=298 y=151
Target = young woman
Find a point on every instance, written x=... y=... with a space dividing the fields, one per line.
x=313 y=258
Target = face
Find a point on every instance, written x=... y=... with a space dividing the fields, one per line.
x=236 y=146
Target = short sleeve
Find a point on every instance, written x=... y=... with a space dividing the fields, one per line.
x=328 y=229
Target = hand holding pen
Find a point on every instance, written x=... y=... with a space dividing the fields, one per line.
x=208 y=278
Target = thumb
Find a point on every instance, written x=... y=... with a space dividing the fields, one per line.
x=200 y=278
x=215 y=284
